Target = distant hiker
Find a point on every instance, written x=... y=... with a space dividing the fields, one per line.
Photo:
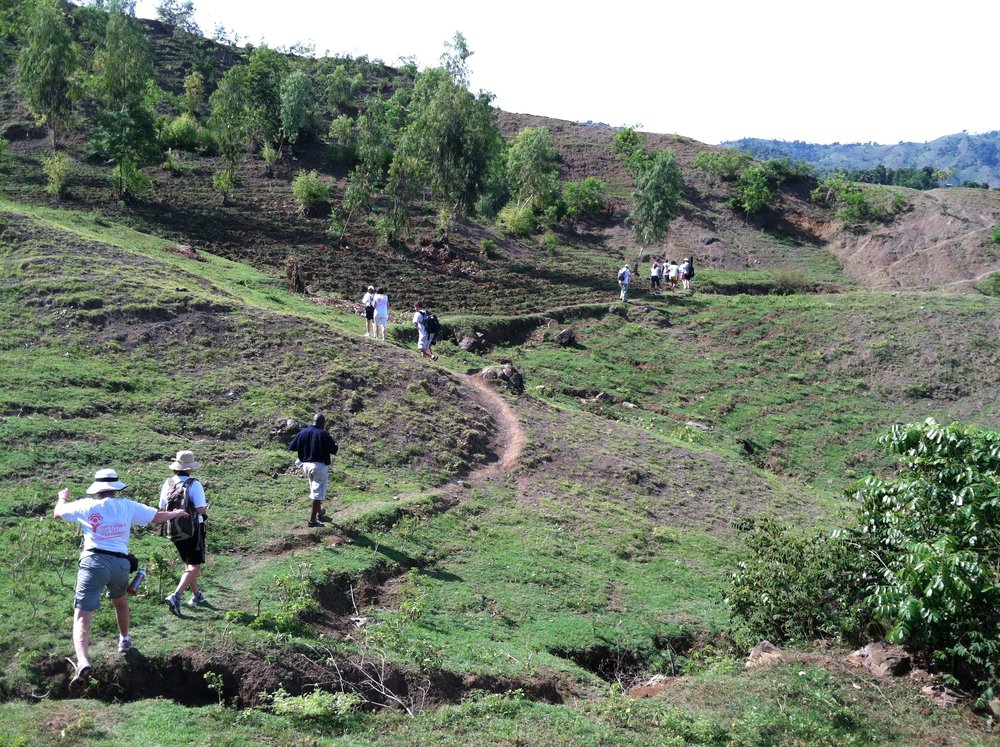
x=687 y=272
x=105 y=563
x=188 y=534
x=428 y=328
x=315 y=447
x=654 y=276
x=673 y=274
x=624 y=276
x=368 y=301
x=381 y=312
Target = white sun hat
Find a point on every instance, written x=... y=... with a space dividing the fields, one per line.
x=104 y=480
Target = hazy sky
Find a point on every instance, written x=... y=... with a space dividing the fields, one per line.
x=714 y=70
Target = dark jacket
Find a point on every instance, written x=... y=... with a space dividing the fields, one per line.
x=314 y=445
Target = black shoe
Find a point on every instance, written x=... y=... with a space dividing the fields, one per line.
x=314 y=524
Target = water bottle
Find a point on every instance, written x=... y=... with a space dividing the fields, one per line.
x=133 y=588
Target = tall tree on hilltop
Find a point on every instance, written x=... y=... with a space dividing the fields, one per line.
x=531 y=167
x=658 y=186
x=47 y=65
x=123 y=84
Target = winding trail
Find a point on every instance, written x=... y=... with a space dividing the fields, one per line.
x=509 y=437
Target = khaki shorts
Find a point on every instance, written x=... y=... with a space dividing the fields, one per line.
x=97 y=573
x=319 y=475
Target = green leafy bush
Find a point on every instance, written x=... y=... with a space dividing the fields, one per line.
x=4 y=148
x=518 y=220
x=224 y=182
x=584 y=197
x=995 y=234
x=57 y=168
x=318 y=705
x=919 y=563
x=310 y=191
x=727 y=164
x=181 y=132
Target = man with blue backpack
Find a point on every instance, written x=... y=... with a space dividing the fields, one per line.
x=428 y=329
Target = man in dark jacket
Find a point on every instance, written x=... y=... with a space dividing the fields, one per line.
x=315 y=447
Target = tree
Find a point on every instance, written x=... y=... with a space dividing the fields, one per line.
x=658 y=186
x=265 y=70
x=297 y=105
x=47 y=66
x=231 y=120
x=194 y=93
x=531 y=168
x=451 y=136
x=751 y=192
x=179 y=14
x=123 y=64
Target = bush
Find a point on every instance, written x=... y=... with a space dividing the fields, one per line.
x=919 y=561
x=586 y=196
x=549 y=242
x=129 y=180
x=335 y=225
x=4 y=148
x=224 y=182
x=995 y=234
x=208 y=142
x=726 y=165
x=181 y=133
x=518 y=220
x=310 y=191
x=57 y=169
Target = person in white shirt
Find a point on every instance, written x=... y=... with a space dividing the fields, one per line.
x=381 y=312
x=654 y=276
x=368 y=301
x=107 y=522
x=192 y=549
x=423 y=338
x=624 y=277
x=673 y=273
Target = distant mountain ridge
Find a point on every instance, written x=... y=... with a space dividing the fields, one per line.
x=974 y=158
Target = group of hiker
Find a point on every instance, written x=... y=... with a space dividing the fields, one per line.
x=661 y=272
x=375 y=303
x=107 y=519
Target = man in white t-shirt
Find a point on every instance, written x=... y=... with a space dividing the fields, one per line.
x=423 y=337
x=624 y=278
x=107 y=522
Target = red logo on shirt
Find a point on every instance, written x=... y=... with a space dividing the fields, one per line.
x=95 y=521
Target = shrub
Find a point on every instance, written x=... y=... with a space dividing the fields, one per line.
x=726 y=165
x=207 y=142
x=335 y=225
x=919 y=561
x=990 y=285
x=175 y=162
x=129 y=180
x=310 y=191
x=269 y=154
x=181 y=132
x=586 y=196
x=549 y=241
x=488 y=247
x=518 y=220
x=995 y=234
x=4 y=148
x=318 y=705
x=224 y=182
x=57 y=169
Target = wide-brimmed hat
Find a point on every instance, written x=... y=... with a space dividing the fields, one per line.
x=184 y=462
x=105 y=480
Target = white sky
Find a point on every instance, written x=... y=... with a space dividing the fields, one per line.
x=714 y=70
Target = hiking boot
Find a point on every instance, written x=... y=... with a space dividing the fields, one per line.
x=174 y=604
x=313 y=524
x=81 y=676
x=124 y=644
x=323 y=517
x=196 y=599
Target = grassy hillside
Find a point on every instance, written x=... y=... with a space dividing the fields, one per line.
x=501 y=568
x=601 y=555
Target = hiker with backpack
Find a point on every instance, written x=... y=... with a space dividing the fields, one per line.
x=181 y=491
x=368 y=302
x=428 y=329
x=687 y=273
x=624 y=277
x=315 y=447
x=105 y=563
x=655 y=272
x=381 y=312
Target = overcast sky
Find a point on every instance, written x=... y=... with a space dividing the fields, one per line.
x=852 y=71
